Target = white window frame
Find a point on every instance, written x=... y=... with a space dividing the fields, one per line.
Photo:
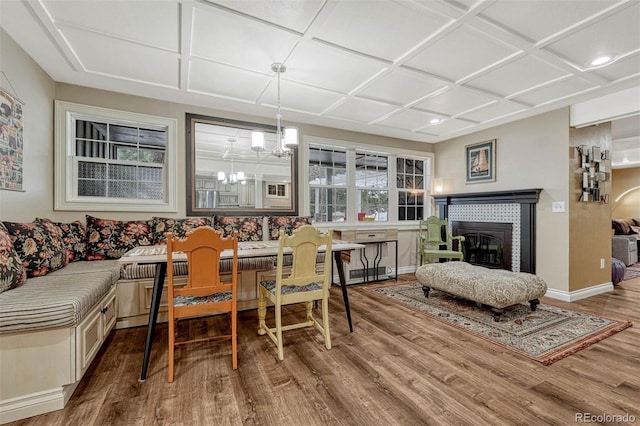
x=65 y=186
x=351 y=147
x=276 y=187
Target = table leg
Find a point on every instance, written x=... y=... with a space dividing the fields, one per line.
x=343 y=286
x=158 y=283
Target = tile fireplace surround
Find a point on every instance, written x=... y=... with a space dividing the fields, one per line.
x=517 y=207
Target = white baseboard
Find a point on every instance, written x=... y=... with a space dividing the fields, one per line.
x=583 y=293
x=34 y=404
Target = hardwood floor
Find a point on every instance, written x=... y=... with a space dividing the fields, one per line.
x=396 y=368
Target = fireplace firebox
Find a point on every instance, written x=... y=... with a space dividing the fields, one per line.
x=486 y=244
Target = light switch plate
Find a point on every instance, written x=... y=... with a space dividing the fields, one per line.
x=557 y=207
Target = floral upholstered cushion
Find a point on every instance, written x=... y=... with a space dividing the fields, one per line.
x=179 y=227
x=289 y=289
x=12 y=273
x=286 y=223
x=74 y=236
x=249 y=228
x=39 y=245
x=110 y=239
x=223 y=296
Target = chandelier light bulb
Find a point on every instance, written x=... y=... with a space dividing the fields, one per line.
x=290 y=137
x=257 y=141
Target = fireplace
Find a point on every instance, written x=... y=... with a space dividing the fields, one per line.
x=486 y=244
x=515 y=208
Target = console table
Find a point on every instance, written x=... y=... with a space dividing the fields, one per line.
x=373 y=236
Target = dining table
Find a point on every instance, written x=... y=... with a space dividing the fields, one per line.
x=246 y=249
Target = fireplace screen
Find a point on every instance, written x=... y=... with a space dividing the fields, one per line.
x=486 y=244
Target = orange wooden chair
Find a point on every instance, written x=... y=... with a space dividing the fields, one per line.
x=304 y=285
x=204 y=293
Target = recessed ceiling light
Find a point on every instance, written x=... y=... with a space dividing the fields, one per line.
x=435 y=121
x=601 y=60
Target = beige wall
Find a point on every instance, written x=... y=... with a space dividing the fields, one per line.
x=530 y=153
x=589 y=222
x=34 y=87
x=629 y=205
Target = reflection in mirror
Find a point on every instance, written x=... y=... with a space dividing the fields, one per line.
x=225 y=175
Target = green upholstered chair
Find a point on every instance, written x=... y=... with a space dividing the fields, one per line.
x=436 y=242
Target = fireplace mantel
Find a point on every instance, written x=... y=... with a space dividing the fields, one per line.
x=527 y=198
x=522 y=196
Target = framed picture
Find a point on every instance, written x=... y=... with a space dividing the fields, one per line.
x=11 y=125
x=481 y=162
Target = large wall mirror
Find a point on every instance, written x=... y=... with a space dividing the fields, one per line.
x=225 y=176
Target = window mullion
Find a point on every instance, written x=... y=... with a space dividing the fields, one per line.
x=351 y=187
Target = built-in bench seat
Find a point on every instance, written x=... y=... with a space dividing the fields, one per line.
x=62 y=298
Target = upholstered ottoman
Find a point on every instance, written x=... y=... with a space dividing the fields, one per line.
x=496 y=288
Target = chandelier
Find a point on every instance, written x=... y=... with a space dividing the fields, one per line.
x=286 y=138
x=233 y=177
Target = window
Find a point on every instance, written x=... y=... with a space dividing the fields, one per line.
x=355 y=184
x=372 y=182
x=278 y=190
x=411 y=188
x=328 y=184
x=114 y=160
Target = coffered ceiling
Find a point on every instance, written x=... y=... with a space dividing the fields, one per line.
x=376 y=66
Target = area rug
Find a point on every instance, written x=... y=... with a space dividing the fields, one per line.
x=632 y=271
x=546 y=335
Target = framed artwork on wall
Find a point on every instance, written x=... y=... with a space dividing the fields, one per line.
x=10 y=142
x=481 y=161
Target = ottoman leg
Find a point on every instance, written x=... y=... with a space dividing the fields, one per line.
x=534 y=304
x=426 y=290
x=497 y=313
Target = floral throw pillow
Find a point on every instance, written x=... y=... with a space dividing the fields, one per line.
x=39 y=245
x=74 y=236
x=286 y=223
x=12 y=273
x=249 y=228
x=110 y=239
x=179 y=227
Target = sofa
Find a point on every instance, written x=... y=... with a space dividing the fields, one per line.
x=62 y=290
x=625 y=241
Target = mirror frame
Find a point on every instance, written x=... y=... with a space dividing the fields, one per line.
x=192 y=210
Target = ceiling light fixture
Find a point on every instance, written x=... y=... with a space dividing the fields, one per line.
x=602 y=61
x=233 y=177
x=287 y=138
x=435 y=121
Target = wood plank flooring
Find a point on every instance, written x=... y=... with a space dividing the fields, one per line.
x=396 y=368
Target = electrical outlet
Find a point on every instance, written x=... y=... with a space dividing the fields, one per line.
x=602 y=263
x=557 y=207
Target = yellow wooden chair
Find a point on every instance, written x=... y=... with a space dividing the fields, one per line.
x=436 y=242
x=303 y=285
x=204 y=293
